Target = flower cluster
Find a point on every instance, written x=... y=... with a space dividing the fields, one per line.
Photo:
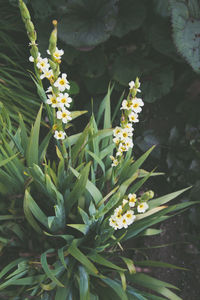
x=131 y=107
x=57 y=97
x=124 y=214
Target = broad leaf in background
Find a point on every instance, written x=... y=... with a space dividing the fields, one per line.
x=131 y=16
x=87 y=23
x=186 y=30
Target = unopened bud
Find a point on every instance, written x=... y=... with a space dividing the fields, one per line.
x=24 y=11
x=34 y=51
x=53 y=38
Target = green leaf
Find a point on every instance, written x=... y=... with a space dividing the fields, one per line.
x=97 y=258
x=36 y=211
x=79 y=187
x=109 y=205
x=136 y=165
x=91 y=188
x=186 y=33
x=116 y=287
x=29 y=215
x=127 y=67
x=131 y=16
x=11 y=265
x=166 y=198
x=33 y=145
x=92 y=64
x=97 y=159
x=7 y=160
x=87 y=23
x=149 y=281
x=43 y=146
x=80 y=227
x=81 y=142
x=159 y=264
x=77 y=113
x=78 y=255
x=47 y=270
x=159 y=85
x=83 y=284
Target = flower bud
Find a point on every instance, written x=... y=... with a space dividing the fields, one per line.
x=24 y=11
x=34 y=51
x=53 y=38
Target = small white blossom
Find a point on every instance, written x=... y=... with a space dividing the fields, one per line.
x=64 y=100
x=117 y=131
x=49 y=90
x=129 y=127
x=129 y=216
x=124 y=202
x=42 y=64
x=132 y=199
x=133 y=117
x=59 y=135
x=132 y=85
x=47 y=74
x=136 y=104
x=142 y=207
x=62 y=83
x=126 y=105
x=116 y=140
x=115 y=162
x=64 y=114
x=53 y=101
x=58 y=53
x=31 y=58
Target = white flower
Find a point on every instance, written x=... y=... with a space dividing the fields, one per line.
x=117 y=131
x=65 y=115
x=118 y=210
x=116 y=140
x=132 y=199
x=42 y=64
x=47 y=74
x=126 y=105
x=129 y=127
x=124 y=202
x=53 y=101
x=136 y=104
x=115 y=162
x=58 y=53
x=132 y=85
x=59 y=135
x=129 y=217
x=133 y=117
x=128 y=143
x=124 y=222
x=126 y=133
x=31 y=58
x=113 y=223
x=62 y=83
x=64 y=100
x=142 y=207
x=121 y=149
x=49 y=90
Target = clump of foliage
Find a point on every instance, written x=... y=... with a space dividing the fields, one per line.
x=57 y=241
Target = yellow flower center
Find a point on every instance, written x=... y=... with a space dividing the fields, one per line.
x=62 y=81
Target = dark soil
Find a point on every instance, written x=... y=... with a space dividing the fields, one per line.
x=180 y=252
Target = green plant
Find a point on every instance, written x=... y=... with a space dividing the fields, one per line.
x=55 y=233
